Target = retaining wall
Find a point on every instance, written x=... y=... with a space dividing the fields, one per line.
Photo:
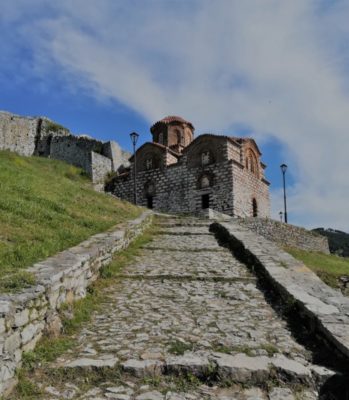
x=287 y=235
x=63 y=278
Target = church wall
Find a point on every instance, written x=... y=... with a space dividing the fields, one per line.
x=234 y=152
x=246 y=188
x=177 y=188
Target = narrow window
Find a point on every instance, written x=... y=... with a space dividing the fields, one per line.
x=254 y=208
x=161 y=138
x=149 y=163
x=205 y=158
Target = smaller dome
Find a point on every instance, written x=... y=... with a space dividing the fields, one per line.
x=171 y=118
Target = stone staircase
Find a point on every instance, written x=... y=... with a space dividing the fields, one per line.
x=186 y=321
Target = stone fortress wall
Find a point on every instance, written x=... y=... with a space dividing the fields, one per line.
x=40 y=136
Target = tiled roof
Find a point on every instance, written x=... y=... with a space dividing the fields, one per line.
x=172 y=118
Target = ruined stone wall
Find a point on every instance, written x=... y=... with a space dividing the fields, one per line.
x=42 y=137
x=73 y=150
x=287 y=235
x=18 y=134
x=118 y=156
x=64 y=278
x=99 y=167
x=82 y=152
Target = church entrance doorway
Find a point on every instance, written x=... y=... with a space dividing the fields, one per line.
x=205 y=201
x=150 y=202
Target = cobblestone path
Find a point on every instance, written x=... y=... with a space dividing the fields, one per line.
x=187 y=321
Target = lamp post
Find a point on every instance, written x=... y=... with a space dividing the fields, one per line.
x=134 y=137
x=280 y=215
x=283 y=170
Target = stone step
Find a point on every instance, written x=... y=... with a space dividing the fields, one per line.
x=186 y=249
x=225 y=368
x=184 y=233
x=189 y=278
x=129 y=390
x=193 y=224
x=214 y=368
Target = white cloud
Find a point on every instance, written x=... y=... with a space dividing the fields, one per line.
x=279 y=67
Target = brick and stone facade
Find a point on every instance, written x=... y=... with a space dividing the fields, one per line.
x=177 y=173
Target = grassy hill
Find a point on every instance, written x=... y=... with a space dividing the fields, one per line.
x=47 y=206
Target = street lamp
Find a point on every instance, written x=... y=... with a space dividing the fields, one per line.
x=134 y=137
x=283 y=170
x=281 y=215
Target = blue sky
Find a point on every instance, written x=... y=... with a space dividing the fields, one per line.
x=275 y=70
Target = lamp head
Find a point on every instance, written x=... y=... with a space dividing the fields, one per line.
x=283 y=168
x=134 y=137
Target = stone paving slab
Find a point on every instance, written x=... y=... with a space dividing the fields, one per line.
x=182 y=242
x=207 y=265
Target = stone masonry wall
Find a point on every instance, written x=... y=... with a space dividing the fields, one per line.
x=118 y=156
x=177 y=188
x=246 y=188
x=26 y=316
x=287 y=235
x=84 y=153
x=100 y=166
x=18 y=134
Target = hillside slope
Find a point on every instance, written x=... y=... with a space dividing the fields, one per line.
x=337 y=240
x=47 y=206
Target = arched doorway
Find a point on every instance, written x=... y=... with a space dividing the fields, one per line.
x=149 y=189
x=254 y=208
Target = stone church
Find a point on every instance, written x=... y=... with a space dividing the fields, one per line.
x=178 y=173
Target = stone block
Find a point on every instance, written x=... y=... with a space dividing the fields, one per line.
x=30 y=331
x=12 y=342
x=242 y=368
x=21 y=318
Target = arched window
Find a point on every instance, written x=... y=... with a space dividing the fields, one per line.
x=204 y=182
x=180 y=136
x=149 y=163
x=251 y=162
x=161 y=138
x=254 y=208
x=205 y=158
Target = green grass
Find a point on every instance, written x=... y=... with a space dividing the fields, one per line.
x=179 y=348
x=47 y=206
x=327 y=266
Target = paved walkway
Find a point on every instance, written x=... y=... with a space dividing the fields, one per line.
x=187 y=321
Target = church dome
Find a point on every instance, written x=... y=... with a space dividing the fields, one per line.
x=173 y=132
x=171 y=119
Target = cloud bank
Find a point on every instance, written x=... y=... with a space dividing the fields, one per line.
x=280 y=69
